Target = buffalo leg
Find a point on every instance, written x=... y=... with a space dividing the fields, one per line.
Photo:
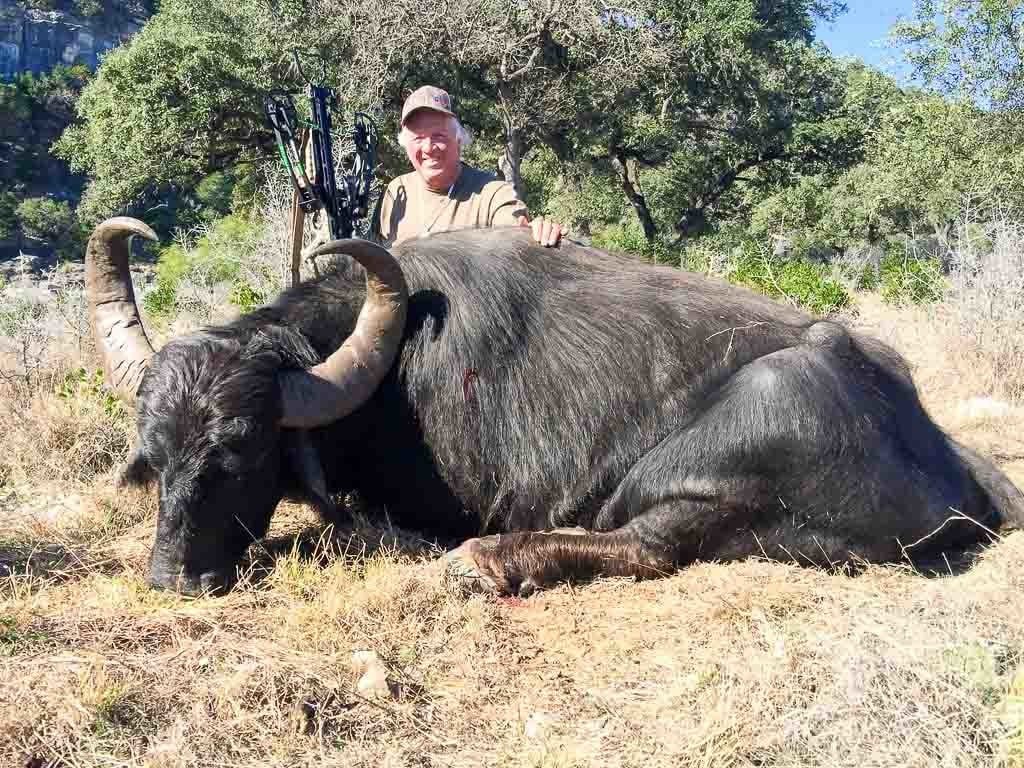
x=520 y=563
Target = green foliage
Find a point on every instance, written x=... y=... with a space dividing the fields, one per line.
x=968 y=48
x=926 y=163
x=161 y=299
x=223 y=192
x=215 y=257
x=245 y=297
x=180 y=101
x=629 y=238
x=806 y=283
x=906 y=279
x=867 y=278
x=81 y=383
x=8 y=214
x=36 y=109
x=17 y=312
x=52 y=222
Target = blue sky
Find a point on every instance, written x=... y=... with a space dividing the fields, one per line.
x=861 y=31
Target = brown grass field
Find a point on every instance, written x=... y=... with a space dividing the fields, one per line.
x=748 y=664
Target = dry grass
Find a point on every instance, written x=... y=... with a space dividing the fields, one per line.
x=750 y=664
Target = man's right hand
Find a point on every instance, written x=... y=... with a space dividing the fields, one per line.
x=546 y=232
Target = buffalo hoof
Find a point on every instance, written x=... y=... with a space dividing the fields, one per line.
x=467 y=569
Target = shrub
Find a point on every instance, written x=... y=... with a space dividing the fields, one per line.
x=19 y=312
x=906 y=279
x=216 y=258
x=629 y=238
x=81 y=383
x=161 y=299
x=215 y=193
x=803 y=282
x=246 y=297
x=52 y=222
x=8 y=214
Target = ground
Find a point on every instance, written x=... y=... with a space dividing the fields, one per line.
x=749 y=664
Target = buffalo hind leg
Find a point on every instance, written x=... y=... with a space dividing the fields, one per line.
x=522 y=562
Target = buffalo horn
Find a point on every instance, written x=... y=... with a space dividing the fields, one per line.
x=120 y=338
x=346 y=379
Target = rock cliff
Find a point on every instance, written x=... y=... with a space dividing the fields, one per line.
x=35 y=36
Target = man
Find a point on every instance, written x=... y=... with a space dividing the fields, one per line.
x=442 y=193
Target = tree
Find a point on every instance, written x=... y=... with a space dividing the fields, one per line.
x=648 y=84
x=731 y=103
x=925 y=162
x=968 y=49
x=51 y=222
x=36 y=109
x=181 y=100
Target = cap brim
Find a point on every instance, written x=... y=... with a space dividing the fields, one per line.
x=414 y=110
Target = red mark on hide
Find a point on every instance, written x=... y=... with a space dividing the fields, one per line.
x=467 y=384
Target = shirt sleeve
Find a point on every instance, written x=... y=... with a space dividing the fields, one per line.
x=506 y=207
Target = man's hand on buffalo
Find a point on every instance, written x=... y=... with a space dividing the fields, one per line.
x=545 y=231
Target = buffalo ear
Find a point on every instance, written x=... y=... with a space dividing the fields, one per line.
x=136 y=471
x=302 y=457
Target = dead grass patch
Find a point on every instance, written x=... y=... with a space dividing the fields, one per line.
x=752 y=663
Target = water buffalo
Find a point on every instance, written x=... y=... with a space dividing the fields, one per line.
x=583 y=413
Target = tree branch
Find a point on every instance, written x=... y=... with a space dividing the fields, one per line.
x=629 y=185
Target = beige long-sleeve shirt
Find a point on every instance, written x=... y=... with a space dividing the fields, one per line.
x=409 y=208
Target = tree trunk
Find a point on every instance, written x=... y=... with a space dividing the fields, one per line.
x=512 y=158
x=693 y=221
x=633 y=194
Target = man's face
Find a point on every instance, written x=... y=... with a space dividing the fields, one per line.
x=433 y=148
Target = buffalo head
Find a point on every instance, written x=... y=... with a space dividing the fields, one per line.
x=222 y=413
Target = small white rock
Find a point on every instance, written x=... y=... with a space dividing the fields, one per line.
x=983 y=409
x=536 y=725
x=373 y=675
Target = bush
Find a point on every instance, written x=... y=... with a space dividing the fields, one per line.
x=52 y=222
x=629 y=238
x=245 y=297
x=806 y=283
x=906 y=279
x=8 y=214
x=161 y=299
x=587 y=199
x=19 y=312
x=192 y=275
x=81 y=383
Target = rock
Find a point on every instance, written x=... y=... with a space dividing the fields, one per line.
x=983 y=409
x=34 y=40
x=537 y=725
x=373 y=676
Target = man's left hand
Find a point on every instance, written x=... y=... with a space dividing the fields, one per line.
x=546 y=232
